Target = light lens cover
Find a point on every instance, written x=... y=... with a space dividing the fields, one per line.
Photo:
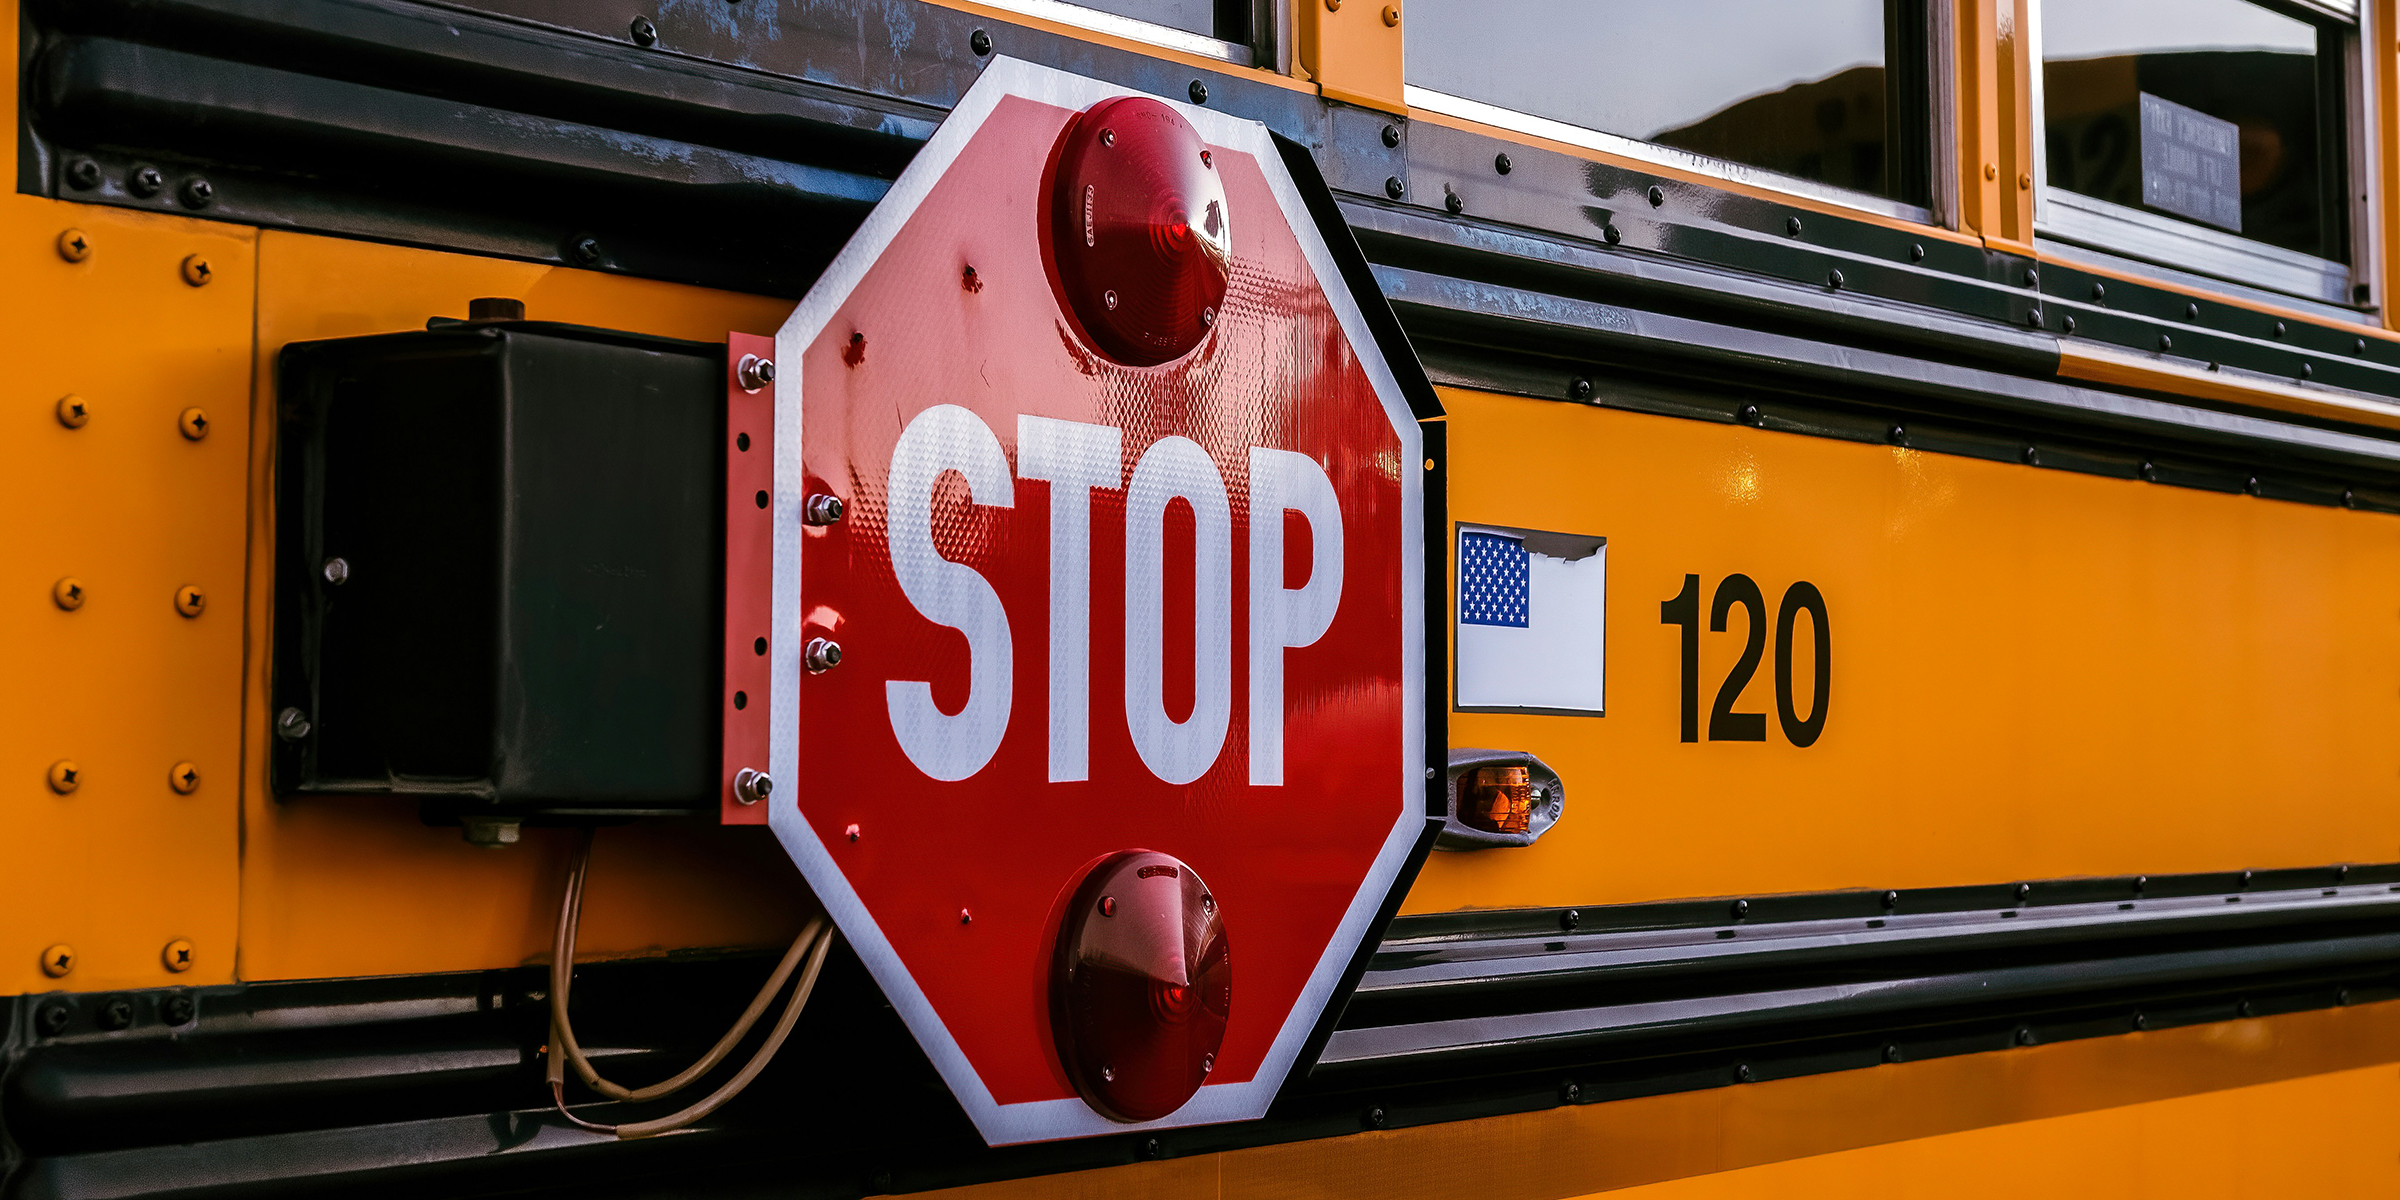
x=1141 y=986
x=1138 y=235
x=1498 y=800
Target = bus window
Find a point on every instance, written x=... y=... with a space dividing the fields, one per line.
x=1831 y=94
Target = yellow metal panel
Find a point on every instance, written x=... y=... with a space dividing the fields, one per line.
x=1996 y=121
x=357 y=887
x=2035 y=673
x=2267 y=1094
x=124 y=686
x=1352 y=48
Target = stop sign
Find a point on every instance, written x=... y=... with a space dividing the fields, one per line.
x=1096 y=682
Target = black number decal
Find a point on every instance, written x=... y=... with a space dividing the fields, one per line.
x=1724 y=724
x=1803 y=597
x=1684 y=610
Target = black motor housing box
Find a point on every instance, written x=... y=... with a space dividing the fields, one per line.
x=526 y=614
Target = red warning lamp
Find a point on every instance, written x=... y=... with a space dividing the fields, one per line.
x=1138 y=234
x=1141 y=986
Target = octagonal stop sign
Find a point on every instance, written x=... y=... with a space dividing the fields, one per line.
x=1095 y=654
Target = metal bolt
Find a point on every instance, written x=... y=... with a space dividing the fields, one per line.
x=337 y=571
x=1451 y=201
x=65 y=776
x=292 y=725
x=2247 y=876
x=1569 y=919
x=2140 y=882
x=178 y=1009
x=1891 y=899
x=1833 y=279
x=1391 y=135
x=1152 y=1149
x=979 y=42
x=1741 y=909
x=2349 y=498
x=2024 y=1035
x=822 y=655
x=1899 y=435
x=68 y=593
x=851 y=833
x=822 y=510
x=58 y=960
x=1431 y=773
x=193 y=422
x=1612 y=233
x=2166 y=342
x=966 y=917
x=1392 y=187
x=2067 y=323
x=1108 y=906
x=1891 y=1052
x=2033 y=318
x=2191 y=312
x=1742 y=1073
x=2281 y=329
x=177 y=956
x=2033 y=456
x=1376 y=1116
x=2245 y=1009
x=74 y=245
x=196 y=270
x=189 y=601
x=1751 y=416
x=2024 y=180
x=52 y=1019
x=2149 y=473
x=644 y=33
x=1501 y=164
x=2141 y=1020
x=1391 y=15
x=751 y=787
x=74 y=411
x=184 y=778
x=586 y=251
x=2359 y=346
x=2024 y=892
x=1580 y=389
x=1916 y=252
x=144 y=182
x=2307 y=370
x=197 y=192
x=755 y=372
x=2343 y=871
x=1198 y=92
x=2099 y=292
x=116 y=1013
x=83 y=174
x=2033 y=277
x=1791 y=225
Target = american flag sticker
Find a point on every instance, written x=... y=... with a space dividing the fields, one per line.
x=1532 y=621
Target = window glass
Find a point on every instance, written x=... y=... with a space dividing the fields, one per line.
x=1797 y=88
x=1191 y=16
x=2211 y=111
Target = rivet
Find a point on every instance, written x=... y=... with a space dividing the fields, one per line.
x=116 y=1013
x=2150 y=474
x=1376 y=1116
x=2249 y=485
x=1791 y=226
x=2306 y=370
x=1431 y=773
x=2246 y=875
x=292 y=725
x=74 y=411
x=2141 y=1020
x=196 y=270
x=58 y=960
x=1750 y=415
x=1611 y=235
x=1899 y=435
x=1501 y=164
x=189 y=601
x=2099 y=292
x=2281 y=329
x=2343 y=871
x=2342 y=997
x=1391 y=15
x=178 y=956
x=1658 y=196
x=144 y=182
x=1741 y=909
x=585 y=251
x=1833 y=279
x=1569 y=919
x=2033 y=318
x=2033 y=456
x=1451 y=201
x=1198 y=92
x=52 y=1019
x=1742 y=1073
x=2024 y=892
x=2245 y=1008
x=197 y=192
x=337 y=571
x=2024 y=1035
x=2140 y=882
x=2033 y=277
x=1571 y=1092
x=74 y=245
x=178 y=1009
x=1916 y=253
x=979 y=42
x=2359 y=346
x=1891 y=1052
x=1108 y=906
x=644 y=33
x=1391 y=136
x=2024 y=180
x=2166 y=342
x=65 y=776
x=2066 y=324
x=83 y=174
x=1991 y=170
x=1393 y=188
x=67 y=593
x=184 y=778
x=851 y=833
x=1891 y=899
x=1333 y=5
x=821 y=510
x=822 y=655
x=193 y=422
x=965 y=917
x=2191 y=311
x=2349 y=498
x=1580 y=389
x=1153 y=1149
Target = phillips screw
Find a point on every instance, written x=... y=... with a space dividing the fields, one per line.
x=58 y=960
x=68 y=593
x=184 y=778
x=65 y=776
x=74 y=411
x=189 y=601
x=73 y=246
x=194 y=423
x=196 y=270
x=177 y=956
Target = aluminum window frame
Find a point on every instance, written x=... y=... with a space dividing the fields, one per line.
x=1266 y=22
x=1941 y=147
x=2170 y=248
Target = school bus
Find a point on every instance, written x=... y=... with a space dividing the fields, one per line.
x=1910 y=580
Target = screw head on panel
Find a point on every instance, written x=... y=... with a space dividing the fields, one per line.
x=2033 y=277
x=1612 y=234
x=1792 y=226
x=178 y=1009
x=52 y=1019
x=1198 y=92
x=1501 y=163
x=2025 y=1035
x=1451 y=201
x=1891 y=1052
x=585 y=251
x=979 y=42
x=58 y=960
x=1571 y=1092
x=197 y=193
x=1916 y=252
x=337 y=571
x=1392 y=187
x=1569 y=919
x=1743 y=1074
x=116 y=1013
x=2099 y=292
x=1833 y=279
x=644 y=32
x=177 y=955
x=1891 y=899
x=83 y=174
x=2024 y=892
x=68 y=593
x=190 y=601
x=2066 y=324
x=1741 y=910
x=145 y=182
x=65 y=776
x=74 y=411
x=74 y=245
x=184 y=778
x=1376 y=1117
x=1579 y=389
x=193 y=422
x=2166 y=342
x=1750 y=415
x=1899 y=435
x=1391 y=136
x=2342 y=997
x=2191 y=312
x=197 y=271
x=1391 y=15
x=292 y=725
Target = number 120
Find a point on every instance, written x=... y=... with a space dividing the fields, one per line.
x=1724 y=724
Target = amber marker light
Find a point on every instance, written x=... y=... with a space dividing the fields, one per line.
x=1139 y=240
x=1498 y=800
x=1141 y=986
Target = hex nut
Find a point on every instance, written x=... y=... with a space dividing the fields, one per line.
x=184 y=778
x=58 y=960
x=177 y=956
x=74 y=245
x=65 y=776
x=193 y=422
x=751 y=787
x=822 y=510
x=822 y=655
x=755 y=372
x=68 y=593
x=74 y=411
x=190 y=601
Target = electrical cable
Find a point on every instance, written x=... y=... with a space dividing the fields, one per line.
x=814 y=942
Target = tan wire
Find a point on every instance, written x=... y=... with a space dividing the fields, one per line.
x=564 y=1049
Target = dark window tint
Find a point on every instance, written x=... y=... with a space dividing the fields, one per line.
x=1830 y=90
x=1225 y=19
x=2241 y=101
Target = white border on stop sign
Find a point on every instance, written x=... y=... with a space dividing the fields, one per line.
x=1044 y=1120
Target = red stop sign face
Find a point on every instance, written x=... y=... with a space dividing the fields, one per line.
x=1086 y=606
